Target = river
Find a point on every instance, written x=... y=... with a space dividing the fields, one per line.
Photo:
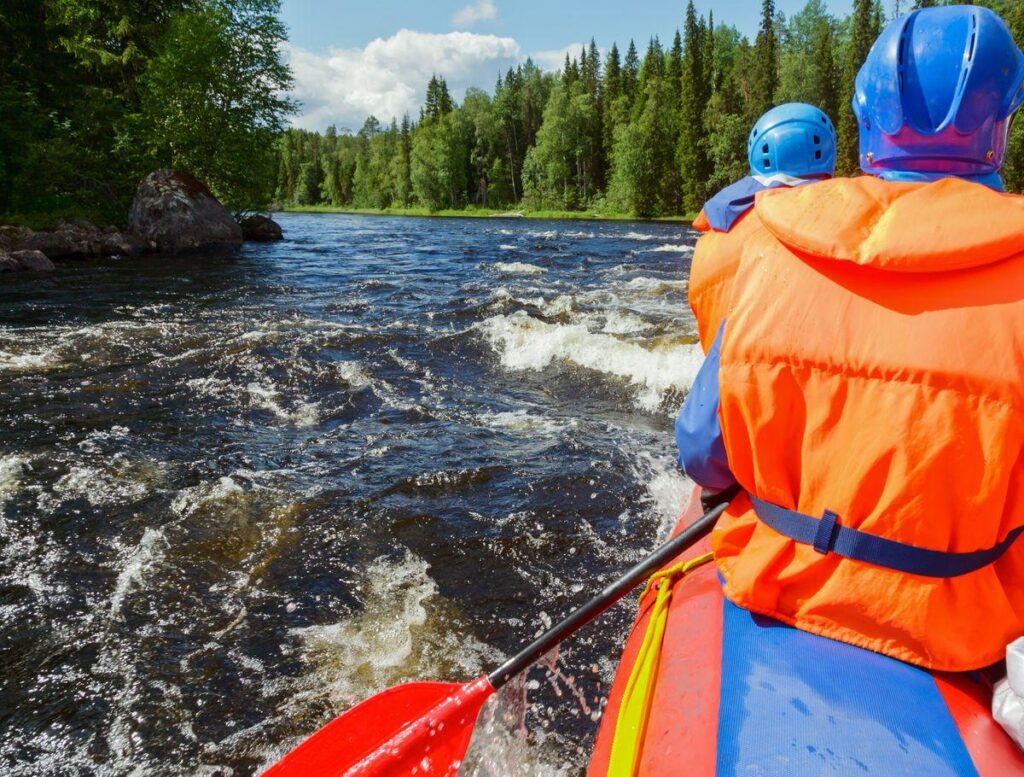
x=239 y=493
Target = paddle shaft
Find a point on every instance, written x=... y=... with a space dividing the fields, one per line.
x=532 y=653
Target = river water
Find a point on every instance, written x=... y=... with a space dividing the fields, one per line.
x=239 y=493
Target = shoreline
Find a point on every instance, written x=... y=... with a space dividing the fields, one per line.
x=492 y=213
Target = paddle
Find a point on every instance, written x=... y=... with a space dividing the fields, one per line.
x=423 y=729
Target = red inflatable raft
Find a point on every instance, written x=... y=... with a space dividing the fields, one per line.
x=739 y=694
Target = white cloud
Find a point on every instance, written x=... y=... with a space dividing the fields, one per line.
x=389 y=76
x=481 y=11
x=554 y=59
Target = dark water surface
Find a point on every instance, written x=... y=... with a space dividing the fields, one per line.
x=237 y=494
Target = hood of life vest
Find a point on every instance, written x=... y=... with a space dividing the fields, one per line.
x=939 y=226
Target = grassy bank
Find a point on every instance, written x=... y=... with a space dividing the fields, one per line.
x=477 y=213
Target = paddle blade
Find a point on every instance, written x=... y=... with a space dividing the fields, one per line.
x=420 y=729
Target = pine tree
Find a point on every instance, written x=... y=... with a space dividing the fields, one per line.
x=709 y=53
x=630 y=74
x=439 y=101
x=653 y=68
x=675 y=67
x=862 y=36
x=405 y=163
x=692 y=149
x=612 y=104
x=807 y=70
x=765 y=78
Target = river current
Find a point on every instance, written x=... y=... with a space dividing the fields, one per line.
x=239 y=493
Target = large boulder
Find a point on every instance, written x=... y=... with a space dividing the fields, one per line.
x=174 y=213
x=261 y=229
x=11 y=236
x=17 y=261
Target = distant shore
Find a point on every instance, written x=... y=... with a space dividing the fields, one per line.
x=496 y=213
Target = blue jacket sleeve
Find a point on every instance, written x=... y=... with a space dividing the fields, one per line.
x=698 y=432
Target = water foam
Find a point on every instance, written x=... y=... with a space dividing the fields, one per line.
x=525 y=343
x=524 y=422
x=189 y=500
x=618 y=322
x=142 y=558
x=12 y=467
x=354 y=374
x=405 y=631
x=671 y=248
x=667 y=490
x=28 y=361
x=267 y=397
x=517 y=268
x=117 y=482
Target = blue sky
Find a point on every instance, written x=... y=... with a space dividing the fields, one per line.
x=355 y=58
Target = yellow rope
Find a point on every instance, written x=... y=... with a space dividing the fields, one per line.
x=635 y=707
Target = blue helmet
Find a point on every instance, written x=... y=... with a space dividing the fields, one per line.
x=937 y=93
x=793 y=139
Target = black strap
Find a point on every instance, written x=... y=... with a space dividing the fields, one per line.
x=827 y=535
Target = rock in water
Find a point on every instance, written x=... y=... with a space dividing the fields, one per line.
x=11 y=236
x=16 y=261
x=56 y=245
x=261 y=229
x=175 y=214
x=116 y=243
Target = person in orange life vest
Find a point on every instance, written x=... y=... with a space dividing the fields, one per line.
x=791 y=145
x=867 y=389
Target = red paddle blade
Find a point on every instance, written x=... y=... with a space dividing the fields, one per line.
x=420 y=729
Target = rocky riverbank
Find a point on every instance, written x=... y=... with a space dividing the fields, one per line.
x=172 y=213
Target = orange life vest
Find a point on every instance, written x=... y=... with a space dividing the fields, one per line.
x=873 y=366
x=715 y=261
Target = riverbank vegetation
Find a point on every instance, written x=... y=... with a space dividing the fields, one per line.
x=95 y=94
x=646 y=134
x=475 y=212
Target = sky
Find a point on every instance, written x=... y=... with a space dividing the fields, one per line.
x=353 y=59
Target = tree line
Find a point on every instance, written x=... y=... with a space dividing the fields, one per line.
x=94 y=94
x=648 y=135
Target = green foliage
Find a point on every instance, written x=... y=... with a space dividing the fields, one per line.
x=694 y=167
x=808 y=70
x=864 y=28
x=765 y=75
x=440 y=165
x=96 y=93
x=644 y=153
x=211 y=99
x=648 y=135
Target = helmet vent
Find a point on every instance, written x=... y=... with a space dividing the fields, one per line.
x=817 y=154
x=901 y=56
x=817 y=140
x=764 y=149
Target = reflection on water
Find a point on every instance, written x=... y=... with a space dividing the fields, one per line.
x=239 y=493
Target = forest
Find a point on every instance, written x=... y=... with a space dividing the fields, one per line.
x=95 y=94
x=649 y=134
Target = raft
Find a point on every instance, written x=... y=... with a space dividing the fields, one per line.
x=740 y=694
